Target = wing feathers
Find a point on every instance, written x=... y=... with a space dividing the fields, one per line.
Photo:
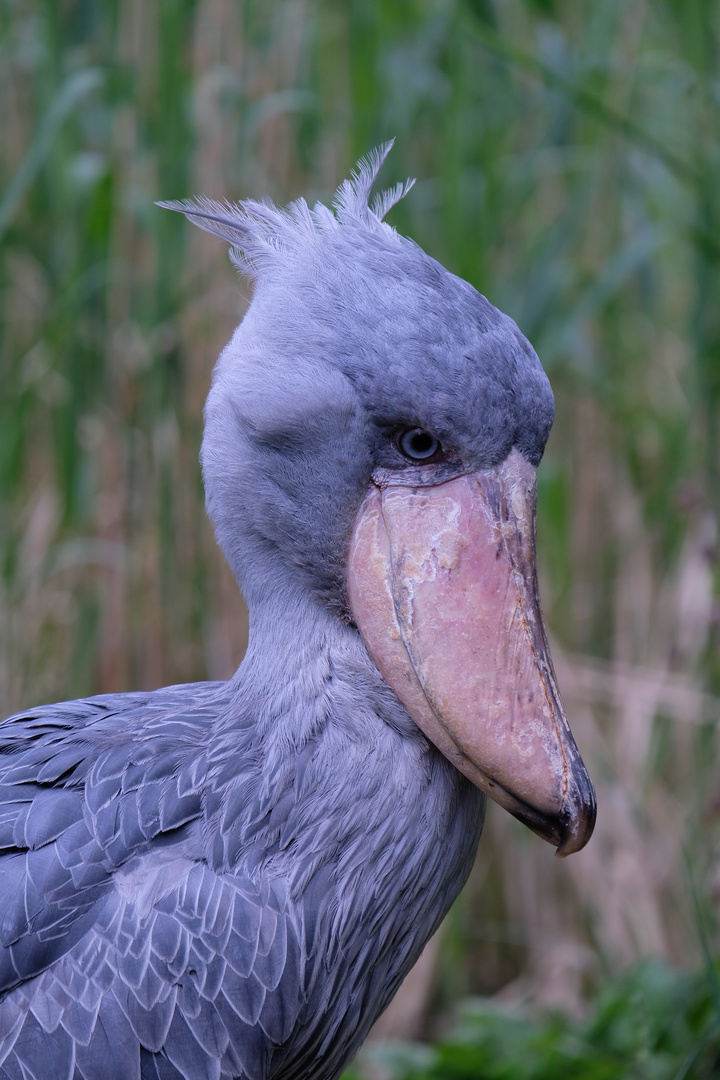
x=113 y=1049
x=208 y=1029
x=186 y=1053
x=43 y=1055
x=150 y=1026
x=112 y=944
x=246 y=997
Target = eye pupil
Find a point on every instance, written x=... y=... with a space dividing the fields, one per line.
x=418 y=445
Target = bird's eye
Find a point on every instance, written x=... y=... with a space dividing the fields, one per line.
x=418 y=445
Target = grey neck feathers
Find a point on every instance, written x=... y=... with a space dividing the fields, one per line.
x=322 y=758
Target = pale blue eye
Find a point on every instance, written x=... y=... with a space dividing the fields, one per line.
x=418 y=445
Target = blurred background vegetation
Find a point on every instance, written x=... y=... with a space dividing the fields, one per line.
x=567 y=157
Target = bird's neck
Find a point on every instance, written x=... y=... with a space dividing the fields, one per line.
x=319 y=741
x=305 y=667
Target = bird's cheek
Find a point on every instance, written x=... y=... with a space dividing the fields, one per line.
x=443 y=588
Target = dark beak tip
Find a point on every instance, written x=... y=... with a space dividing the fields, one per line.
x=578 y=827
x=568 y=831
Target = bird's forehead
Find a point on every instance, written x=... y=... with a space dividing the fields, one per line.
x=387 y=288
x=381 y=312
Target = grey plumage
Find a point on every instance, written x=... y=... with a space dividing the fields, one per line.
x=232 y=879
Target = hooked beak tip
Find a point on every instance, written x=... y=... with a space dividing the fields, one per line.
x=578 y=829
x=569 y=830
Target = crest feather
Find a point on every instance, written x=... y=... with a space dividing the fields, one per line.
x=223 y=219
x=257 y=231
x=385 y=200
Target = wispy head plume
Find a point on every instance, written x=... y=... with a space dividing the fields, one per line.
x=260 y=231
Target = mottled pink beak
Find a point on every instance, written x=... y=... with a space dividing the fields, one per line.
x=443 y=587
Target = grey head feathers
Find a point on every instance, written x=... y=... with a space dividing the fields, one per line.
x=352 y=333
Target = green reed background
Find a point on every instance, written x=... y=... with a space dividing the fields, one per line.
x=567 y=157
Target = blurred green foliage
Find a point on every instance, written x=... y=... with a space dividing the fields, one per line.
x=652 y=1024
